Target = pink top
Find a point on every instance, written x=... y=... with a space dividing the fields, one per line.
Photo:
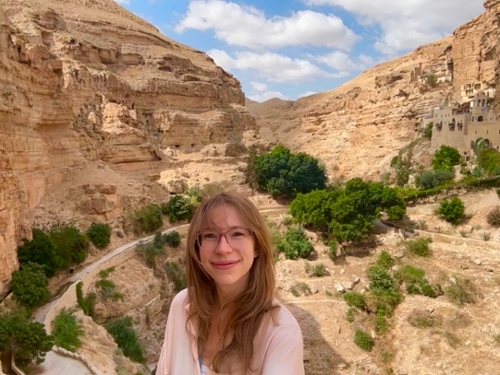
x=278 y=348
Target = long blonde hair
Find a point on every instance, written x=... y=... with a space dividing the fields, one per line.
x=255 y=301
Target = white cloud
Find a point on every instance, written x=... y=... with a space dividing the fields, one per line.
x=408 y=24
x=343 y=63
x=258 y=86
x=271 y=66
x=262 y=97
x=247 y=26
x=308 y=93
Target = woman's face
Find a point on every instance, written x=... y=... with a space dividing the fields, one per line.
x=227 y=250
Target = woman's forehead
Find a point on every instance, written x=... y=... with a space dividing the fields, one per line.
x=222 y=217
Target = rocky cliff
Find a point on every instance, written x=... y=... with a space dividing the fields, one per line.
x=86 y=82
x=357 y=128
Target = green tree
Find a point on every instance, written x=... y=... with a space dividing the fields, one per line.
x=99 y=234
x=295 y=244
x=72 y=245
x=40 y=250
x=452 y=210
x=283 y=173
x=28 y=340
x=30 y=286
x=125 y=337
x=178 y=208
x=431 y=179
x=489 y=160
x=445 y=158
x=148 y=219
x=67 y=331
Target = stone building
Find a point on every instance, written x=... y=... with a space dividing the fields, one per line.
x=462 y=125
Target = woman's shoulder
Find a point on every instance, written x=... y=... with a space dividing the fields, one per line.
x=180 y=300
x=284 y=317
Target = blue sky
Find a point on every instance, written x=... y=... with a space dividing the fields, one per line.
x=292 y=48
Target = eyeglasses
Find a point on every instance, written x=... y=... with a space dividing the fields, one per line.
x=235 y=237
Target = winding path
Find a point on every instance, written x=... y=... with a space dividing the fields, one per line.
x=56 y=364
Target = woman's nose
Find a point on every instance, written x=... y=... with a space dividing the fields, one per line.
x=223 y=246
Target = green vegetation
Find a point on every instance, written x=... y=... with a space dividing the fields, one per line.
x=423 y=319
x=332 y=249
x=67 y=331
x=107 y=289
x=347 y=213
x=148 y=219
x=431 y=179
x=40 y=250
x=99 y=234
x=488 y=159
x=172 y=238
x=30 y=286
x=299 y=288
x=419 y=247
x=493 y=217
x=446 y=158
x=86 y=303
x=356 y=300
x=149 y=250
x=452 y=210
x=178 y=208
x=282 y=173
x=176 y=274
x=295 y=244
x=72 y=245
x=416 y=282
x=462 y=291
x=428 y=130
x=317 y=270
x=363 y=340
x=384 y=287
x=28 y=340
x=125 y=337
x=385 y=261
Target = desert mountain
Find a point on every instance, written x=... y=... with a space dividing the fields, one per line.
x=89 y=89
x=358 y=128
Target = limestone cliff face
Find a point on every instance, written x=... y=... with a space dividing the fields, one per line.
x=86 y=80
x=357 y=128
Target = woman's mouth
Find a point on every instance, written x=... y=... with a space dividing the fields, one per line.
x=225 y=265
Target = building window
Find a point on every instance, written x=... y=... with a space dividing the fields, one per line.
x=475 y=132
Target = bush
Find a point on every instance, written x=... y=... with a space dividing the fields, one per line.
x=332 y=249
x=489 y=160
x=384 y=287
x=108 y=290
x=462 y=292
x=419 y=246
x=431 y=179
x=445 y=158
x=493 y=217
x=452 y=210
x=282 y=173
x=125 y=337
x=148 y=219
x=172 y=238
x=40 y=250
x=149 y=251
x=318 y=270
x=67 y=331
x=28 y=340
x=363 y=340
x=176 y=274
x=356 y=300
x=295 y=244
x=30 y=286
x=385 y=261
x=85 y=303
x=72 y=245
x=178 y=208
x=99 y=235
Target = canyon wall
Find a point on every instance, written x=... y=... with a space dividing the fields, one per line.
x=85 y=81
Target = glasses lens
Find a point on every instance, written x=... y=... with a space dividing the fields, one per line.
x=234 y=237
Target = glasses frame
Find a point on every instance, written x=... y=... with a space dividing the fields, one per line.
x=221 y=234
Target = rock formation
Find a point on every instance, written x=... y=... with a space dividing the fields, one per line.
x=84 y=81
x=358 y=128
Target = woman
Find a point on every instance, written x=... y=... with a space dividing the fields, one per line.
x=228 y=320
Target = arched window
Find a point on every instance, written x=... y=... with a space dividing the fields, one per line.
x=480 y=119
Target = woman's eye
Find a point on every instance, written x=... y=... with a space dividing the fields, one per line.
x=237 y=234
x=209 y=236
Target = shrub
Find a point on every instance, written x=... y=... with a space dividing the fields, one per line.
x=85 y=303
x=493 y=217
x=178 y=208
x=40 y=250
x=125 y=337
x=148 y=219
x=28 y=340
x=67 y=331
x=384 y=287
x=419 y=246
x=295 y=244
x=355 y=300
x=462 y=292
x=445 y=158
x=282 y=173
x=431 y=179
x=332 y=249
x=72 y=245
x=299 y=288
x=318 y=270
x=99 y=235
x=108 y=290
x=489 y=160
x=363 y=340
x=423 y=319
x=176 y=274
x=428 y=131
x=452 y=210
x=30 y=286
x=148 y=251
x=172 y=238
x=410 y=275
x=385 y=261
